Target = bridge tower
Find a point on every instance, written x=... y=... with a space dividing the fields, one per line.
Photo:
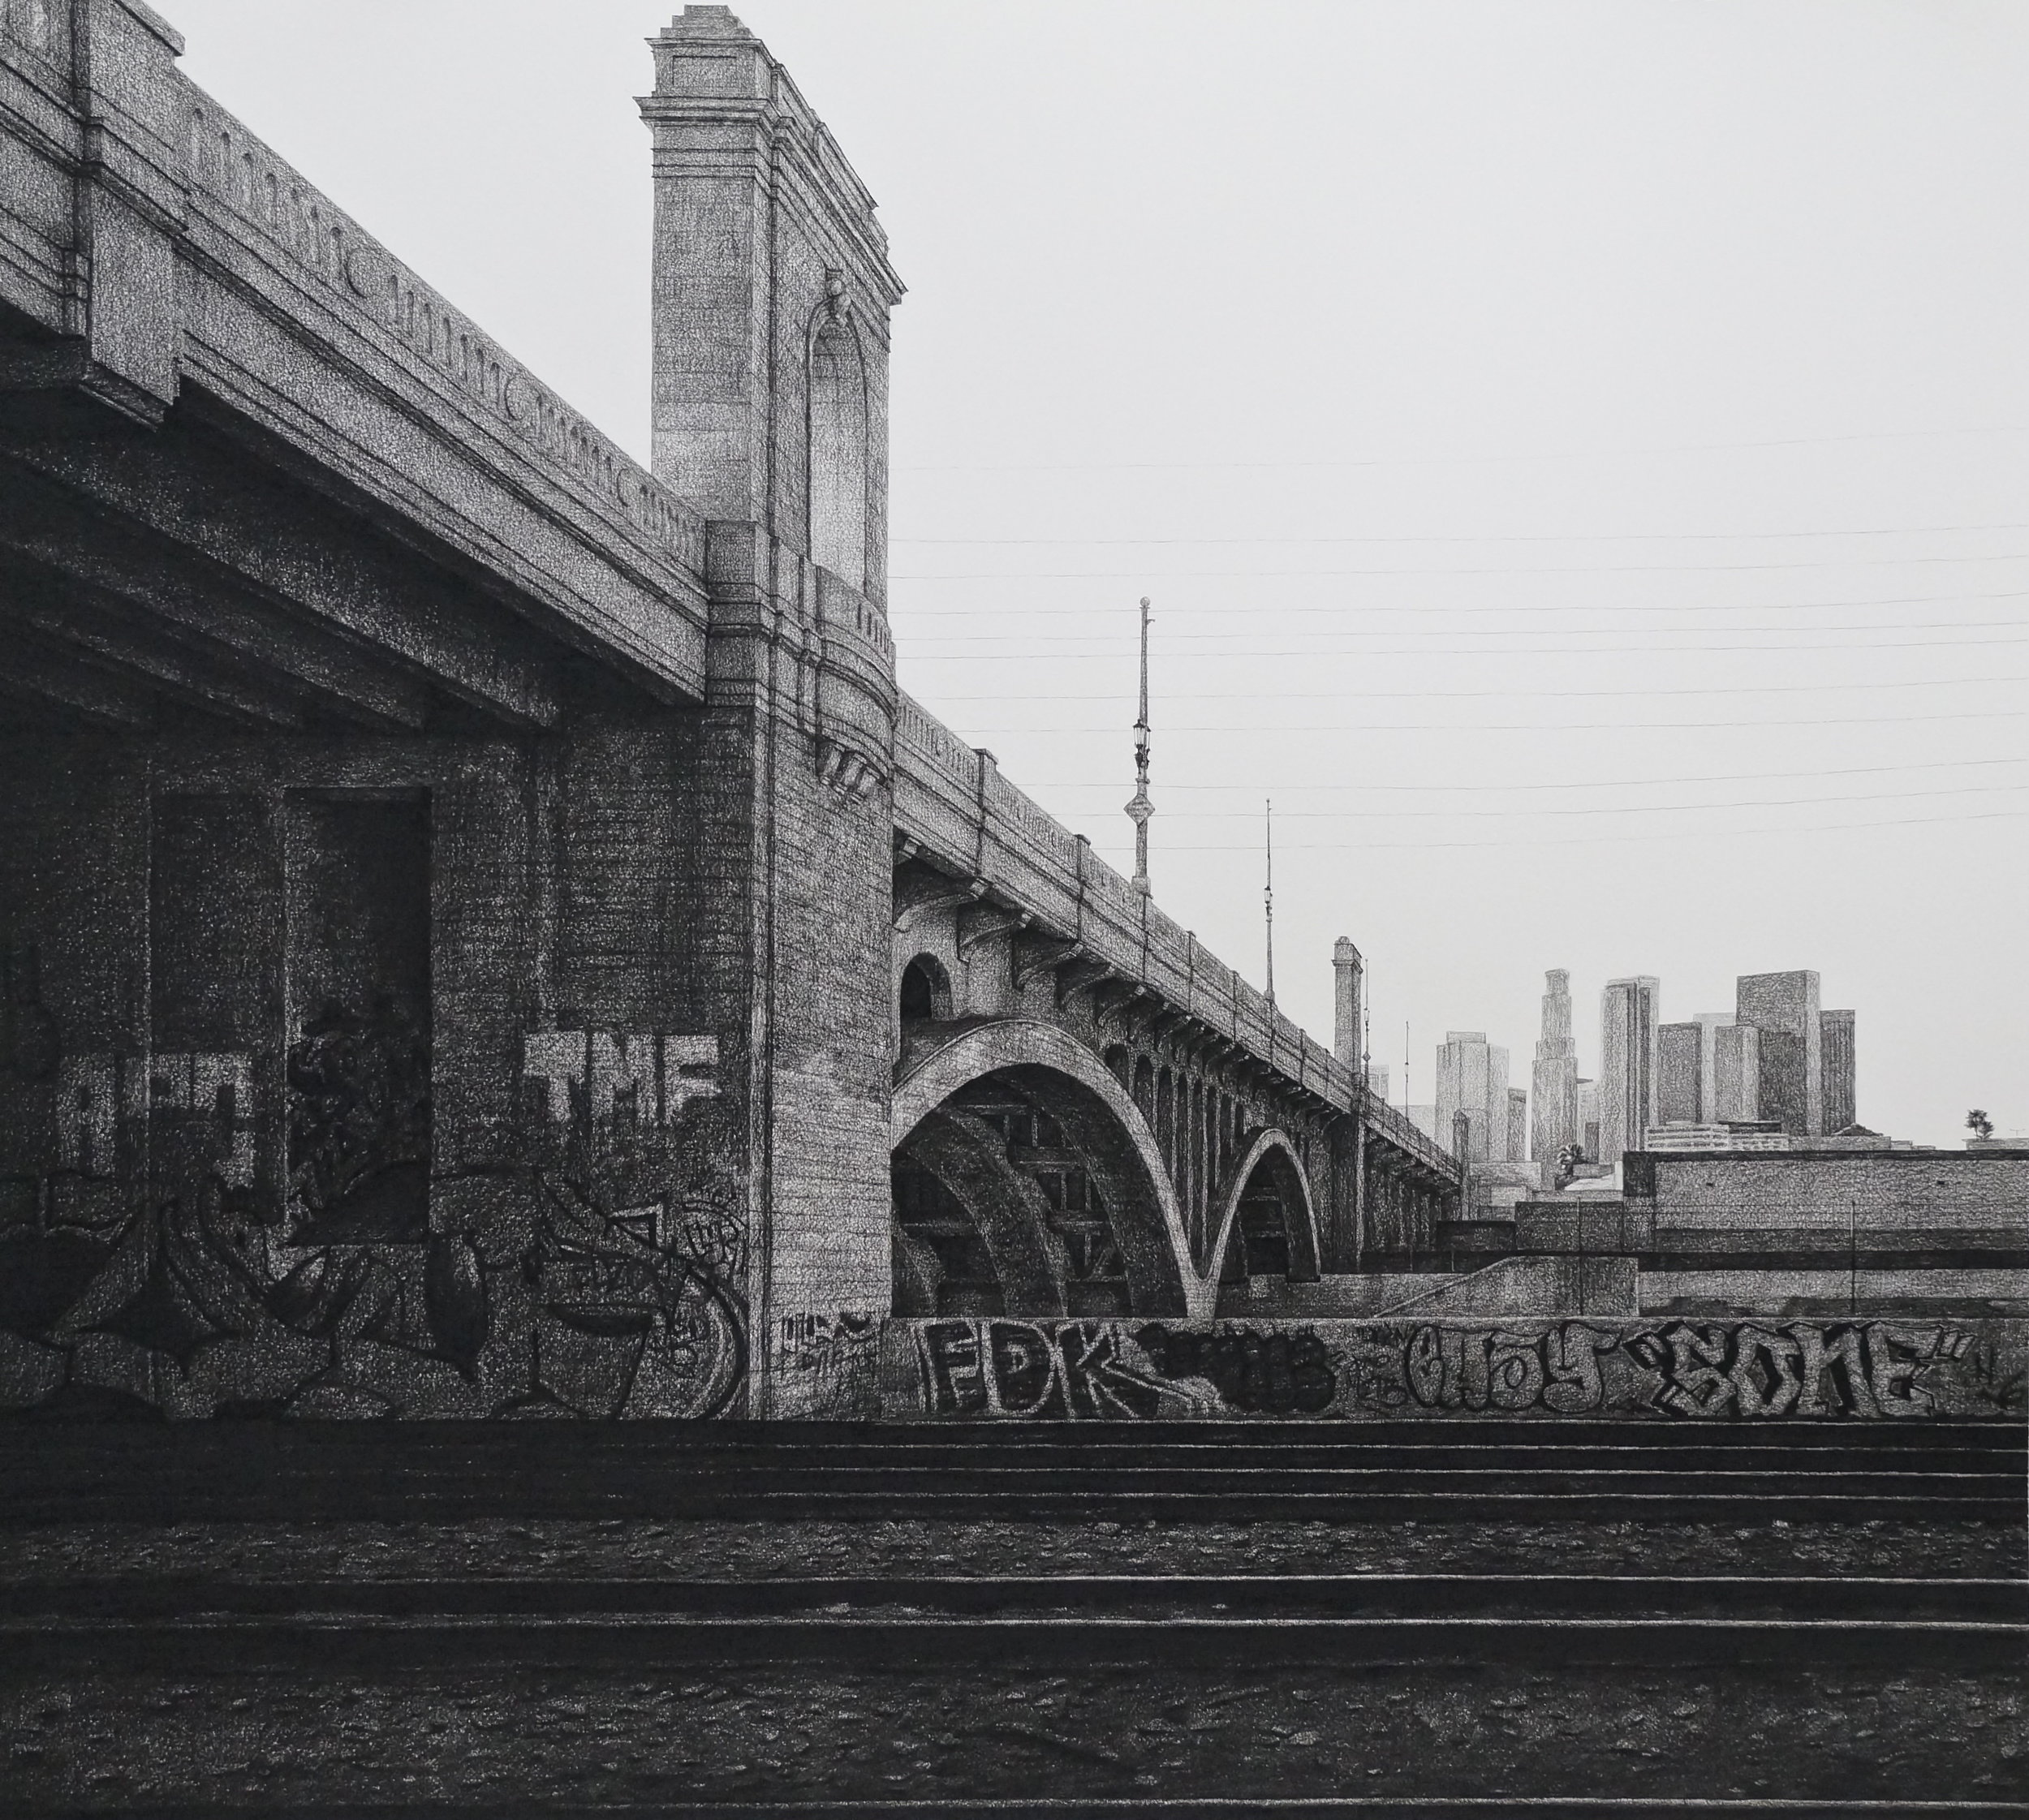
x=771 y=295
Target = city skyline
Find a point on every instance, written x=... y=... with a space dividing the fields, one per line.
x=1701 y=1070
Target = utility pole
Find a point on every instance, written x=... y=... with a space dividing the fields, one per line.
x=1268 y=893
x=1141 y=808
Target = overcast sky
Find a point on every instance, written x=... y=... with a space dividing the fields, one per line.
x=1577 y=451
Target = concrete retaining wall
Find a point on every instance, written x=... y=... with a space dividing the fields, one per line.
x=986 y=1370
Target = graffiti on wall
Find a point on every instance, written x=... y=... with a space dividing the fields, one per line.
x=598 y=1268
x=359 y=1084
x=831 y=1358
x=1074 y=1370
x=1729 y=1370
x=617 y=1077
x=1866 y=1369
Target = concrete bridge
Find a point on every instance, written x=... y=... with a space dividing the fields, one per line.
x=483 y=932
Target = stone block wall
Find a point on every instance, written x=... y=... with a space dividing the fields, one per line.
x=230 y=1180
x=1933 y=1200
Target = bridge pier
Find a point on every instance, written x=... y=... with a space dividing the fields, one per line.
x=772 y=290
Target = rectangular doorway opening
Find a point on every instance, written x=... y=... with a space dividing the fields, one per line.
x=359 y=1017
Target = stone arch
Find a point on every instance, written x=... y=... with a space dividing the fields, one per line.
x=924 y=994
x=1059 y=1075
x=1271 y=1154
x=837 y=450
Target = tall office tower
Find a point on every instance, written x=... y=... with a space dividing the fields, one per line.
x=1680 y=1092
x=1784 y=1008
x=1736 y=1073
x=1709 y=1025
x=1553 y=1079
x=1472 y=1078
x=1836 y=1041
x=1498 y=1124
x=1518 y=1145
x=1627 y=1063
x=1588 y=1119
x=1377 y=1079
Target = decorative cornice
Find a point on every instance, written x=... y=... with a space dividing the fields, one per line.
x=264 y=200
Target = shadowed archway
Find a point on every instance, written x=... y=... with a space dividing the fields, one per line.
x=1266 y=1223
x=1102 y=1212
x=924 y=995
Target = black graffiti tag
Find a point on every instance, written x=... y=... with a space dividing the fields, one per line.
x=1274 y=1374
x=1469 y=1368
x=1867 y=1370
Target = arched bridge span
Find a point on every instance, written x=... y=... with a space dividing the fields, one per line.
x=1029 y=1181
x=1277 y=1161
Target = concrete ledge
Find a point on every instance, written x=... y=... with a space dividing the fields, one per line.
x=1533 y=1285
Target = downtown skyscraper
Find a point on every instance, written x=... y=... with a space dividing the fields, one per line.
x=1628 y=1022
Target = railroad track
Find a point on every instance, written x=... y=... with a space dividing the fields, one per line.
x=196 y=1624
x=1827 y=1471
x=668 y=1697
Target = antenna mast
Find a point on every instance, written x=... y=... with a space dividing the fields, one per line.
x=1268 y=892
x=1141 y=808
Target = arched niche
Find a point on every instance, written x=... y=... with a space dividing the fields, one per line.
x=924 y=995
x=837 y=452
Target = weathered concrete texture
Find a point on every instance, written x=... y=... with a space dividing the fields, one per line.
x=1936 y=1202
x=174 y=1128
x=1935 y=1548
x=1811 y=1233
x=1556 y=1284
x=114 y=1743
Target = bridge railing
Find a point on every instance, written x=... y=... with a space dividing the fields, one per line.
x=952 y=798
x=256 y=198
x=1406 y=1135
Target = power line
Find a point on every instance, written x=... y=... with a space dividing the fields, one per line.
x=1502 y=695
x=1460 y=537
x=1602 y=631
x=1508 y=574
x=1424 y=610
x=1409 y=461
x=1513 y=650
x=1788 y=833
x=1588 y=783
x=1600 y=809
x=1541 y=726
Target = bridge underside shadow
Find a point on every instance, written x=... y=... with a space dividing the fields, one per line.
x=1267 y=1223
x=1027 y=1182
